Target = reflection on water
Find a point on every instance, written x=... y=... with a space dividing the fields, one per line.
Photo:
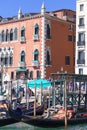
x=23 y=126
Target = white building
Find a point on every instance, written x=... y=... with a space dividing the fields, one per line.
x=81 y=37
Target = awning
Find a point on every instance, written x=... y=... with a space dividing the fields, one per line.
x=21 y=69
x=39 y=82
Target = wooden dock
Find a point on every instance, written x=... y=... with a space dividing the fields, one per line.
x=76 y=89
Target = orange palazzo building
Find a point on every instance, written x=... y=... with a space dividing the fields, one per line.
x=37 y=44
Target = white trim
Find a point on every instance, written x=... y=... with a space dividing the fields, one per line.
x=43 y=49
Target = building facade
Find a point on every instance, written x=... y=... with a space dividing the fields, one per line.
x=81 y=37
x=37 y=44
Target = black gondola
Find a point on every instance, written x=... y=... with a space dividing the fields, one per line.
x=18 y=113
x=49 y=122
x=7 y=121
x=5 y=118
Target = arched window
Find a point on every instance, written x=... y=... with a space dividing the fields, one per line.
x=38 y=74
x=2 y=58
x=48 y=58
x=11 y=59
x=15 y=34
x=36 y=29
x=36 y=32
x=22 y=56
x=6 y=58
x=3 y=36
x=48 y=31
x=22 y=37
x=11 y=35
x=23 y=32
x=7 y=35
x=36 y=55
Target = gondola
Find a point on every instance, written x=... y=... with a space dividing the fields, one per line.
x=39 y=110
x=5 y=118
x=56 y=120
x=50 y=122
x=19 y=112
x=7 y=121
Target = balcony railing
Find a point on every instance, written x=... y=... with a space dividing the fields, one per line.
x=22 y=39
x=81 y=25
x=35 y=37
x=81 y=43
x=35 y=63
x=80 y=61
x=22 y=64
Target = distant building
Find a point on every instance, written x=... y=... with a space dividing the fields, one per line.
x=37 y=44
x=81 y=37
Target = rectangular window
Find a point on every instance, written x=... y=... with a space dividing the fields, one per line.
x=70 y=38
x=6 y=60
x=12 y=75
x=10 y=60
x=81 y=37
x=81 y=21
x=2 y=60
x=67 y=60
x=81 y=55
x=48 y=36
x=71 y=27
x=80 y=71
x=81 y=7
x=17 y=75
x=31 y=74
x=38 y=74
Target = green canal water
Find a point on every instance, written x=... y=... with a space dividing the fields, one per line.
x=23 y=126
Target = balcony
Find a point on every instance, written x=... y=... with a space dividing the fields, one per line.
x=22 y=39
x=81 y=43
x=35 y=37
x=80 y=61
x=81 y=25
x=35 y=63
x=22 y=64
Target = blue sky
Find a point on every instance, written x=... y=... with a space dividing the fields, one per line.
x=9 y=8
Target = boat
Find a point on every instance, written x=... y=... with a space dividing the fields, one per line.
x=39 y=109
x=49 y=122
x=7 y=121
x=5 y=118
x=54 y=121
x=20 y=111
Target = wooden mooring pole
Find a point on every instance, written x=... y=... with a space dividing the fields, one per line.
x=35 y=102
x=65 y=94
